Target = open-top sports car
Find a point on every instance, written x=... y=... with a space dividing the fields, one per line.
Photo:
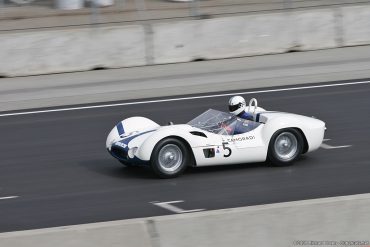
x=215 y=138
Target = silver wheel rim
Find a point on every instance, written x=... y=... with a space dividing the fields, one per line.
x=170 y=158
x=286 y=146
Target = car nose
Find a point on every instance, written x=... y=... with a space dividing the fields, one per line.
x=113 y=137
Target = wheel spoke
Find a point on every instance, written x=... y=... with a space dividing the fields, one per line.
x=170 y=158
x=286 y=146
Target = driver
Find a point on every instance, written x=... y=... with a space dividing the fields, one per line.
x=237 y=107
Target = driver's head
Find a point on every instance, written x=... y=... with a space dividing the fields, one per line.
x=236 y=105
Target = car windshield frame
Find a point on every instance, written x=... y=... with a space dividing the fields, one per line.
x=222 y=123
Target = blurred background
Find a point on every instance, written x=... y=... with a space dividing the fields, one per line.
x=99 y=57
x=23 y=14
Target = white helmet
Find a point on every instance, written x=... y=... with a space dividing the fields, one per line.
x=236 y=105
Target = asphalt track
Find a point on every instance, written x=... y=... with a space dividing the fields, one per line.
x=57 y=165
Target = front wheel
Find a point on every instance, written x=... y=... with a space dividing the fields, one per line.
x=169 y=158
x=285 y=147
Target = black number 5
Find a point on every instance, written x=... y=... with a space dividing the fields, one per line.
x=226 y=148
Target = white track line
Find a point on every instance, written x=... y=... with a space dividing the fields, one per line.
x=327 y=146
x=183 y=98
x=8 y=197
x=175 y=209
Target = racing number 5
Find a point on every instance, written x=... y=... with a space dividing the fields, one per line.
x=226 y=148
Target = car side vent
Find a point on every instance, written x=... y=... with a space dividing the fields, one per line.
x=198 y=133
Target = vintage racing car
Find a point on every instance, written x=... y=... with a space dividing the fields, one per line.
x=215 y=138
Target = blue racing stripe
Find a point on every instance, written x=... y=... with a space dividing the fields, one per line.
x=120 y=129
x=130 y=138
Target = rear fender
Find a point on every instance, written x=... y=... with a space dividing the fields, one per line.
x=312 y=129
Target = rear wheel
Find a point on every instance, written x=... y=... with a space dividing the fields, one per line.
x=169 y=158
x=285 y=147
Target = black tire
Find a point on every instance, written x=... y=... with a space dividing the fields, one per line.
x=276 y=156
x=159 y=156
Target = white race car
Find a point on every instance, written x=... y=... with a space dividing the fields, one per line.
x=215 y=138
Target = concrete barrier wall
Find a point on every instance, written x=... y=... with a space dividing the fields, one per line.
x=221 y=37
x=243 y=36
x=41 y=52
x=331 y=219
x=113 y=234
x=314 y=30
x=57 y=51
x=356 y=25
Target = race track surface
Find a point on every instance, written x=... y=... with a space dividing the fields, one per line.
x=57 y=165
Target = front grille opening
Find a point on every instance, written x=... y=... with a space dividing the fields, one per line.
x=119 y=152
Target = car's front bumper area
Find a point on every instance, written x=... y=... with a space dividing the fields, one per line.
x=122 y=155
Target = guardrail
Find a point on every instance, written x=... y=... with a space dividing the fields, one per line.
x=27 y=14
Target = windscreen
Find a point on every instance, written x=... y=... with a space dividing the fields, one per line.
x=222 y=123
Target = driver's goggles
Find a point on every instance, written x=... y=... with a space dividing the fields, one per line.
x=234 y=107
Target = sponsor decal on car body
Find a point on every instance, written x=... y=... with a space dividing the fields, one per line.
x=241 y=138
